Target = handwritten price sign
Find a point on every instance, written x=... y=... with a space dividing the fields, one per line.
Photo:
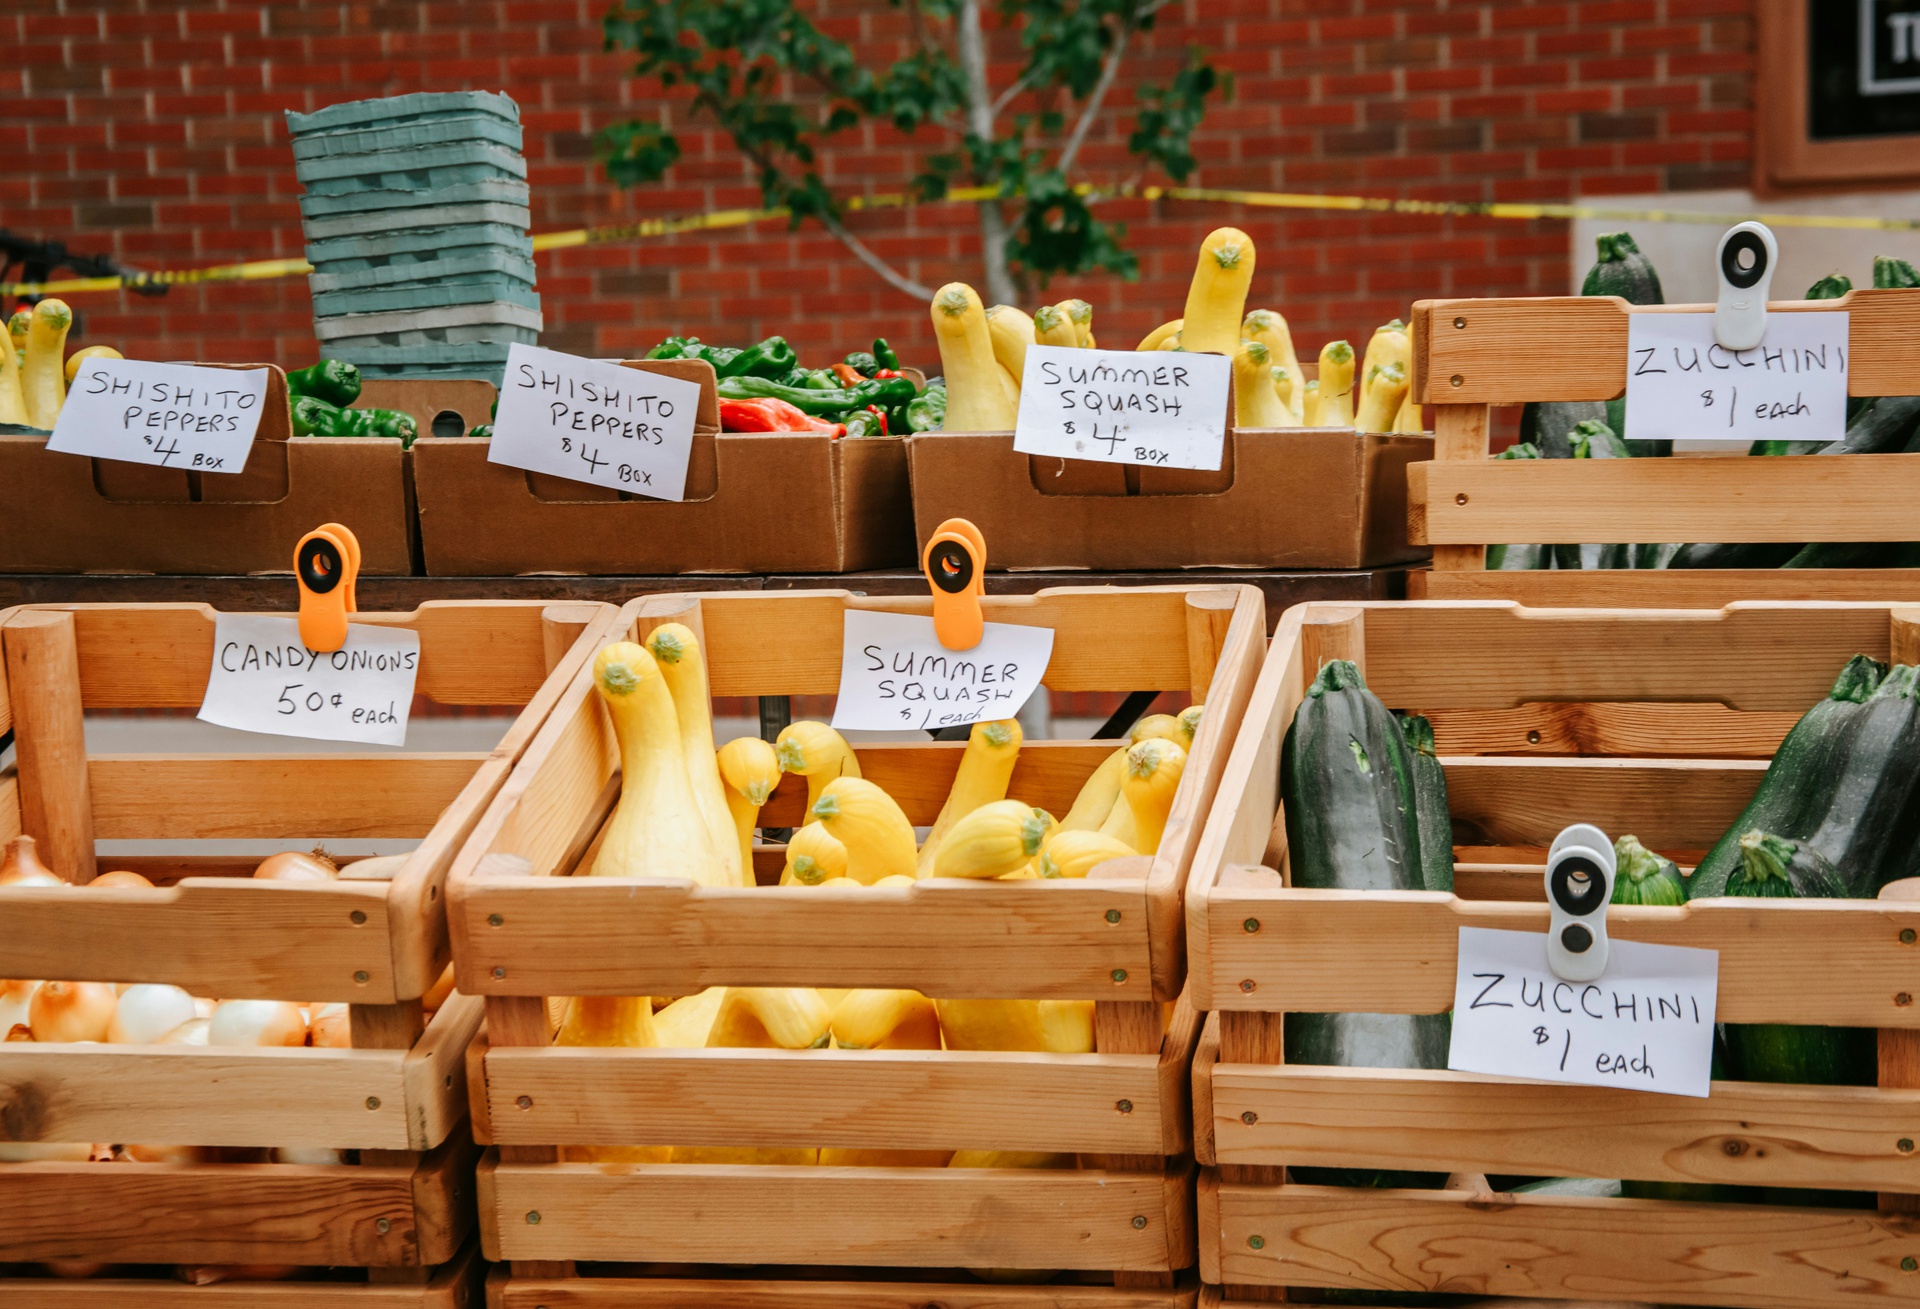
x=1161 y=409
x=171 y=415
x=895 y=674
x=1683 y=385
x=264 y=679
x=593 y=422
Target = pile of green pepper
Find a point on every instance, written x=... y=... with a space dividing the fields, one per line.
x=866 y=390
x=321 y=396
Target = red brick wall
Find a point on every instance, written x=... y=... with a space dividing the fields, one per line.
x=153 y=131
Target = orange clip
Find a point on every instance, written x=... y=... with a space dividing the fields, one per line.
x=326 y=564
x=955 y=563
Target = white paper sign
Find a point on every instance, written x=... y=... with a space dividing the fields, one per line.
x=1162 y=408
x=895 y=674
x=592 y=422
x=1647 y=1024
x=173 y=415
x=265 y=680
x=1683 y=385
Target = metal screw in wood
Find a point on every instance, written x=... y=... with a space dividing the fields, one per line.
x=1460 y=498
x=1903 y=998
x=1124 y=1106
x=1113 y=915
x=494 y=920
x=358 y=917
x=525 y=1102
x=1256 y=1242
x=1908 y=1264
x=1247 y=985
x=362 y=976
x=499 y=972
x=1251 y=925
x=1533 y=737
x=382 y=1225
x=533 y=1217
x=1906 y=936
x=1119 y=974
x=1457 y=380
x=373 y=1102
x=1904 y=1145
x=1249 y=1118
x=1139 y=1222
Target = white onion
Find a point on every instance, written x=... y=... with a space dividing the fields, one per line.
x=22 y=866
x=307 y=1155
x=191 y=1032
x=331 y=1027
x=375 y=868
x=72 y=1011
x=257 y=1023
x=120 y=877
x=203 y=1007
x=147 y=1012
x=209 y=1274
x=292 y=866
x=14 y=999
x=73 y=1270
x=167 y=1154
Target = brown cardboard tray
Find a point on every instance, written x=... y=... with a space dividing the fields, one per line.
x=72 y=514
x=756 y=503
x=1307 y=498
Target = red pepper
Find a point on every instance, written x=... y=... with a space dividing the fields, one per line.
x=771 y=415
x=847 y=374
x=881 y=414
x=887 y=372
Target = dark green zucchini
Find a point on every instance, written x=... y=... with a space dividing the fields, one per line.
x=1866 y=828
x=1643 y=877
x=1891 y=273
x=1793 y=794
x=1739 y=554
x=1430 y=809
x=1346 y=774
x=1549 y=424
x=1831 y=287
x=1623 y=271
x=1886 y=426
x=1655 y=556
x=1843 y=554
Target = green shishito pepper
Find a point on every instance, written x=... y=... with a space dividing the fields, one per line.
x=333 y=380
x=883 y=354
x=927 y=412
x=862 y=363
x=884 y=392
x=313 y=416
x=772 y=358
x=674 y=347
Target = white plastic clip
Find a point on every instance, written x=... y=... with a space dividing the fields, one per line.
x=1746 y=259
x=1580 y=871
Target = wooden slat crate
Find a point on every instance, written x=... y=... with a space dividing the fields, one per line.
x=1624 y=701
x=398 y=1097
x=521 y=938
x=1471 y=354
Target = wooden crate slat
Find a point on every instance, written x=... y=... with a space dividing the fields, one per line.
x=1506 y=351
x=454 y=1286
x=1561 y=1247
x=1663 y=588
x=305 y=1098
x=1303 y=957
x=1052 y=940
x=487 y=653
x=881 y=1217
x=790 y=644
x=691 y=1293
x=306 y=946
x=1706 y=731
x=338 y=797
x=1806 y=497
x=1668 y=803
x=1747 y=1133
x=857 y=1099
x=1497 y=655
x=211 y=1213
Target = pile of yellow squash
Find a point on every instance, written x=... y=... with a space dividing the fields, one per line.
x=687 y=810
x=983 y=353
x=35 y=368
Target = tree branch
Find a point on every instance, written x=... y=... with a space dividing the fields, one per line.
x=1108 y=71
x=879 y=266
x=970 y=42
x=1008 y=96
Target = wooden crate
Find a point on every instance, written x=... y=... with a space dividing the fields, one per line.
x=1655 y=723
x=520 y=938
x=458 y=1285
x=1470 y=354
x=398 y=1097
x=835 y=1289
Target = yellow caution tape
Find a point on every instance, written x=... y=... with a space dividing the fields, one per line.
x=726 y=218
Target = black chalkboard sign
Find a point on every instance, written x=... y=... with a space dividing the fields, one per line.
x=1863 y=69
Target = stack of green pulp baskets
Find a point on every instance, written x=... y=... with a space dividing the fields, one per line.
x=415 y=215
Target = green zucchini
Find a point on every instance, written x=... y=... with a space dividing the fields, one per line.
x=1346 y=774
x=1739 y=554
x=1793 y=794
x=1623 y=271
x=1831 y=287
x=1643 y=877
x=1431 y=812
x=1867 y=826
x=1655 y=556
x=1843 y=554
x=1890 y=273
x=1548 y=424
x=1593 y=439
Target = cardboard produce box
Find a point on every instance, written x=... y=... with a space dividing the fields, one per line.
x=1308 y=498
x=756 y=502
x=73 y=514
